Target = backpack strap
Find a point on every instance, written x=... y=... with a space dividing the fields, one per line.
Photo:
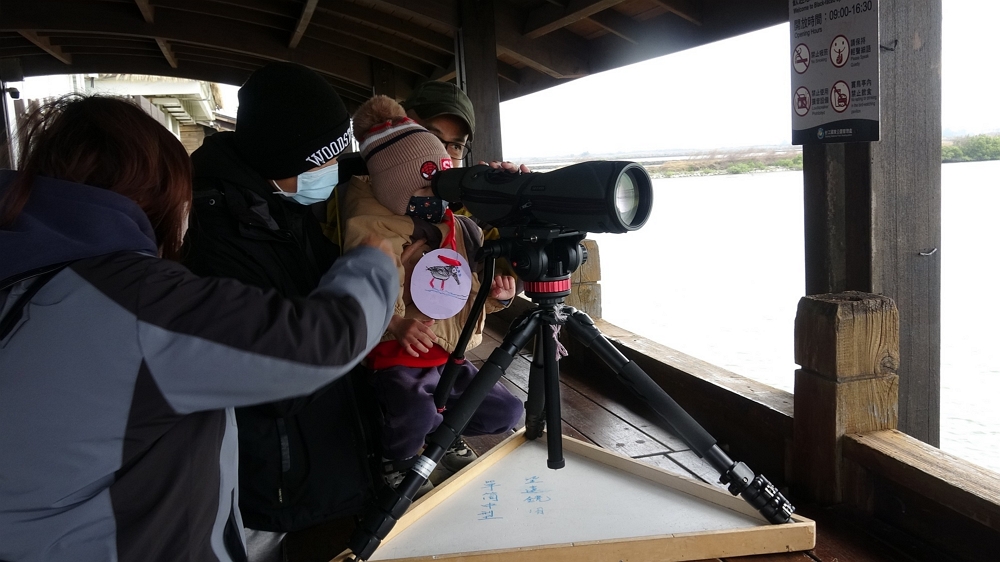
x=8 y=322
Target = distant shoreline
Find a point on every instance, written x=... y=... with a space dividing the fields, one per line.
x=753 y=160
x=707 y=163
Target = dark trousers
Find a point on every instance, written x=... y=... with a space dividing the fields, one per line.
x=406 y=395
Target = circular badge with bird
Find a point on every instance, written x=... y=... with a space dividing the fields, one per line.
x=441 y=283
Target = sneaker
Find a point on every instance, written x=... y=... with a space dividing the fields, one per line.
x=392 y=478
x=458 y=456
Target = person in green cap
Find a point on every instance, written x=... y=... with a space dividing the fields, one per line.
x=445 y=110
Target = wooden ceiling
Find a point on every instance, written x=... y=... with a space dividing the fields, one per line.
x=357 y=43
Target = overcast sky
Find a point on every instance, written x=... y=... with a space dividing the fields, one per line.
x=730 y=93
x=727 y=94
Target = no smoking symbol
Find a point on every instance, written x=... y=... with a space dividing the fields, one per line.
x=801 y=58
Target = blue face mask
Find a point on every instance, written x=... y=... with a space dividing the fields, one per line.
x=314 y=186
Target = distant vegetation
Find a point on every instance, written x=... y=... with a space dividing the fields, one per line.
x=745 y=162
x=971 y=149
x=759 y=159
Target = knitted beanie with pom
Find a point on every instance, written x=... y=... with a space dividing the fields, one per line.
x=402 y=156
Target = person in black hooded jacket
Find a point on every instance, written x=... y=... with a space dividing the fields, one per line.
x=119 y=368
x=303 y=462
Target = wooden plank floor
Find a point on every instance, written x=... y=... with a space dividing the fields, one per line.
x=599 y=410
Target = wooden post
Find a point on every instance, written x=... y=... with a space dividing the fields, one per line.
x=873 y=210
x=10 y=71
x=6 y=131
x=848 y=347
x=476 y=65
x=586 y=295
x=384 y=77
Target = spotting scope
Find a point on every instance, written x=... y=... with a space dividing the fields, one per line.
x=598 y=196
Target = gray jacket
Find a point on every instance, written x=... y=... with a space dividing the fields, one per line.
x=119 y=378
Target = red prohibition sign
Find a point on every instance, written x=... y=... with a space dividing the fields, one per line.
x=840 y=96
x=802 y=101
x=801 y=58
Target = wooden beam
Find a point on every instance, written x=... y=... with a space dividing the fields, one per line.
x=477 y=63
x=401 y=53
x=234 y=64
x=167 y=53
x=147 y=10
x=251 y=62
x=504 y=70
x=148 y=50
x=920 y=491
x=303 y=23
x=70 y=41
x=529 y=81
x=686 y=9
x=508 y=72
x=547 y=18
x=556 y=54
x=618 y=24
x=361 y=15
x=221 y=71
x=156 y=66
x=176 y=27
x=44 y=44
x=397 y=48
x=444 y=74
x=957 y=484
x=282 y=17
x=440 y=15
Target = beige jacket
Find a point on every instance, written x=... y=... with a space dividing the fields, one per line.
x=361 y=215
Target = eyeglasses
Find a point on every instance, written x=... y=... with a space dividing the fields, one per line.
x=456 y=150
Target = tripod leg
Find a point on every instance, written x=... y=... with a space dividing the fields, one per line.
x=534 y=406
x=457 y=357
x=553 y=411
x=392 y=504
x=756 y=490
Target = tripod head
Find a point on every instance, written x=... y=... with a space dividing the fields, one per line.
x=543 y=257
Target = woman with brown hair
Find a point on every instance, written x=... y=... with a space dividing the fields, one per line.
x=119 y=369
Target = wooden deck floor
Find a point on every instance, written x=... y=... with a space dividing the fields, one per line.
x=599 y=410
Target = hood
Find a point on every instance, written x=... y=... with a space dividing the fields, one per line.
x=65 y=221
x=217 y=159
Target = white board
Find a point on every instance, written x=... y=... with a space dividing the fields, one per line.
x=514 y=501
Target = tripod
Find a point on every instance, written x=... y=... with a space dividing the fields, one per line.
x=549 y=256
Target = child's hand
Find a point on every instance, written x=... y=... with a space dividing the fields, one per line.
x=503 y=288
x=414 y=336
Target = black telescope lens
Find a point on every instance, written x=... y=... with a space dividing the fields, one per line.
x=632 y=197
x=626 y=199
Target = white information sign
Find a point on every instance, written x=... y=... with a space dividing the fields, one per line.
x=834 y=59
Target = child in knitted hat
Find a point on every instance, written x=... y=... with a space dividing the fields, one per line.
x=396 y=202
